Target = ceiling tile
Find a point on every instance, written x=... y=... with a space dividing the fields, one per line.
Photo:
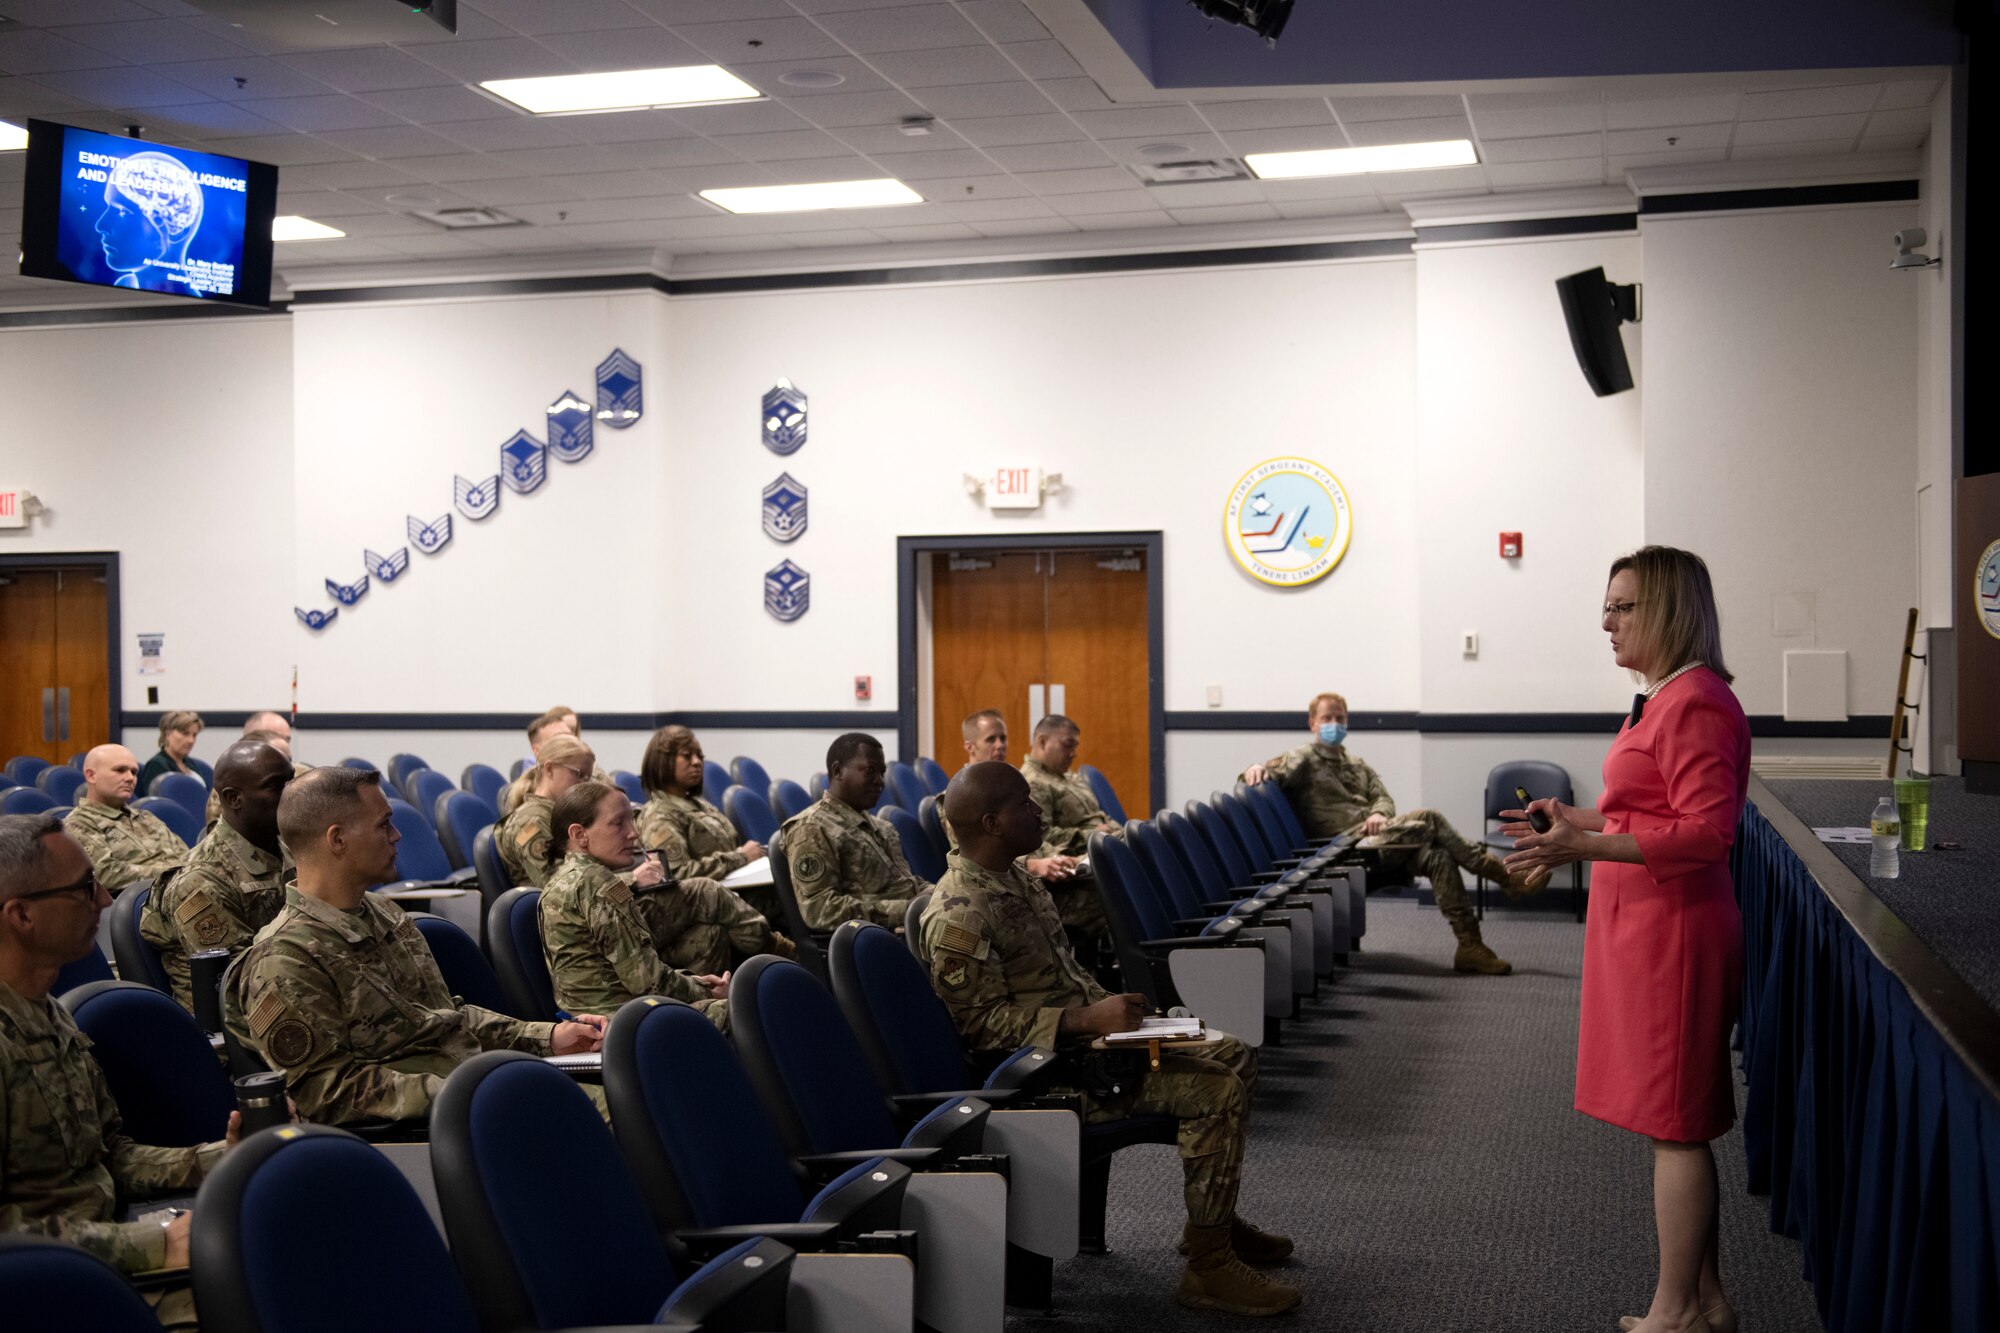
x=841 y=6
x=499 y=58
x=151 y=40
x=329 y=204
x=623 y=48
x=1135 y=200
x=285 y=149
x=720 y=176
x=472 y=26
x=1524 y=175
x=953 y=65
x=534 y=17
x=450 y=168
x=1393 y=185
x=815 y=170
x=1049 y=156
x=1095 y=179
x=1542 y=150
x=1656 y=140
x=841 y=110
x=1125 y=123
x=674 y=153
x=391 y=142
x=778 y=39
x=331 y=111
x=1796 y=102
x=1121 y=221
x=1802 y=129
x=116 y=88
x=204 y=121
x=261 y=77
x=1186 y=148
x=1017 y=97
x=931 y=231
x=1004 y=20
x=1203 y=194
x=904 y=28
x=1527 y=122
x=1297 y=140
x=1892 y=143
x=769 y=77
x=1909 y=92
x=1266 y=115
x=711 y=11
x=565 y=160
x=846 y=238
x=1750 y=152
x=1326 y=208
x=1699 y=109
x=740 y=118
x=888 y=139
x=784 y=145
x=997 y=210
x=434 y=245
x=1198 y=217
x=51 y=13
x=350 y=175
x=1318 y=187
x=1076 y=94
x=950 y=162
x=1624 y=162
x=969 y=189
x=1005 y=130
x=365 y=69
x=1352 y=109
x=25 y=97
x=439 y=106
x=1904 y=120
x=625 y=184
x=1370 y=133
x=515 y=131
x=624 y=127
x=1025 y=227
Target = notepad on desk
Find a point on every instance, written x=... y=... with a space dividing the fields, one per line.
x=589 y=1062
x=751 y=875
x=1161 y=1029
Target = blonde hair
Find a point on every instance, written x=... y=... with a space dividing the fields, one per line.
x=1675 y=613
x=562 y=748
x=1328 y=696
x=180 y=719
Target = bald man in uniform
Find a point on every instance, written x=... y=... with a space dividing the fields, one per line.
x=125 y=845
x=234 y=879
x=1000 y=961
x=270 y=726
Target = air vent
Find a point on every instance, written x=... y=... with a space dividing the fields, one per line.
x=1184 y=173
x=1856 y=767
x=460 y=219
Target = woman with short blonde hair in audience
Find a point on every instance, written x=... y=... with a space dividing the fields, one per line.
x=524 y=836
x=178 y=730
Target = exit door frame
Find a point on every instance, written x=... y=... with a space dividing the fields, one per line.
x=106 y=563
x=909 y=550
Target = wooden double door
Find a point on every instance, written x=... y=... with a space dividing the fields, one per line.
x=55 y=678
x=1035 y=632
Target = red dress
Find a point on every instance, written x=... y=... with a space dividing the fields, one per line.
x=1663 y=950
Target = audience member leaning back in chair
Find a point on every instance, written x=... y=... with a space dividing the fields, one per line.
x=234 y=879
x=601 y=951
x=846 y=864
x=124 y=845
x=999 y=960
x=66 y=1165
x=341 y=992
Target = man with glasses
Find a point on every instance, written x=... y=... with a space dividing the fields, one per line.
x=125 y=845
x=1336 y=793
x=66 y=1164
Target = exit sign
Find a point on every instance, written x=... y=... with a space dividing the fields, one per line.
x=1015 y=488
x=11 y=515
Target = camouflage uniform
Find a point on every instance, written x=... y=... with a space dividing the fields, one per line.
x=847 y=865
x=600 y=950
x=521 y=788
x=352 y=1007
x=124 y=845
x=227 y=891
x=698 y=841
x=1070 y=814
x=999 y=960
x=1335 y=792
x=1082 y=910
x=523 y=841
x=66 y=1166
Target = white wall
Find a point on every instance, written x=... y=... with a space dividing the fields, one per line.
x=1780 y=422
x=1937 y=426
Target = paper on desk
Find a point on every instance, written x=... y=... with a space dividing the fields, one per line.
x=1860 y=835
x=588 y=1061
x=1160 y=1029
x=751 y=875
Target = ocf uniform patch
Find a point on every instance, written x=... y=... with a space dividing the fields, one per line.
x=290 y=1042
x=951 y=971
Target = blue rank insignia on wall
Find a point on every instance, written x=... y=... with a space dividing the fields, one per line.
x=787 y=591
x=347 y=594
x=620 y=396
x=524 y=462
x=569 y=428
x=386 y=568
x=315 y=619
x=785 y=418
x=784 y=508
x=476 y=499
x=431 y=537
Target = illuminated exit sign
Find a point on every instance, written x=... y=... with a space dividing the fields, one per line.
x=1015 y=488
x=11 y=513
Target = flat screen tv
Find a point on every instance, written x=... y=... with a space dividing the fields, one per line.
x=120 y=212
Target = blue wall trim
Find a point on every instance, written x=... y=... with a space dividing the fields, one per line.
x=857 y=720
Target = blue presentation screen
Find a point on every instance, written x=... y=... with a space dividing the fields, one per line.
x=121 y=212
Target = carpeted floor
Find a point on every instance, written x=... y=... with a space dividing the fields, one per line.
x=1414 y=1135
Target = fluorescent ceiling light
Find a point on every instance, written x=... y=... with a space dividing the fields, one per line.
x=1356 y=161
x=12 y=138
x=800 y=198
x=624 y=90
x=292 y=227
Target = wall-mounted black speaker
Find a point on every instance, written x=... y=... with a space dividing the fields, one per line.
x=1594 y=307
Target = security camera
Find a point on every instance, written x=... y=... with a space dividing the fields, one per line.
x=1908 y=242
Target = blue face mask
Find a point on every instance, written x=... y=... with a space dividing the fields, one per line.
x=1333 y=733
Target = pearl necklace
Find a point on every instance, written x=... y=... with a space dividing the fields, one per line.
x=1639 y=700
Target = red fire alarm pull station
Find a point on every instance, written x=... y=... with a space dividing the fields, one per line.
x=864 y=689
x=1510 y=546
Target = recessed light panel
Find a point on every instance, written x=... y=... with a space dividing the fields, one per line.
x=12 y=138
x=804 y=198
x=292 y=227
x=624 y=90
x=1358 y=161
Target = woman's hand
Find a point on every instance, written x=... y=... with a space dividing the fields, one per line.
x=1582 y=817
x=752 y=851
x=1562 y=844
x=649 y=873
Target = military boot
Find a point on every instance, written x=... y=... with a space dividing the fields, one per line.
x=1473 y=955
x=1216 y=1279
x=1515 y=886
x=1253 y=1244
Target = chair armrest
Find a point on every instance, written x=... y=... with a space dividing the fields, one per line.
x=921 y=1103
x=158 y=1279
x=827 y=1165
x=390 y=1131
x=1267 y=876
x=463 y=876
x=1286 y=862
x=1199 y=942
x=704 y=1243
x=1196 y=924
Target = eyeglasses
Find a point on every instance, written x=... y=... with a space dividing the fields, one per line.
x=580 y=774
x=87 y=886
x=1619 y=610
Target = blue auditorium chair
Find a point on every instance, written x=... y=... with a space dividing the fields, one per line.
x=788 y=798
x=629 y=783
x=25 y=801
x=519 y=767
x=930 y=813
x=203 y=771
x=933 y=774
x=467 y=974
x=1100 y=787
x=241 y=1059
x=1282 y=920
x=459 y=815
x=1542 y=780
x=907 y=1035
x=484 y=781
x=185 y=823
x=137 y=960
x=1256 y=802
x=59 y=811
x=162 y=1072
x=714 y=781
x=361 y=764
x=750 y=813
x=423 y=787
x=705 y=1152
x=547 y=1226
x=420 y=857
x=6 y=782
x=287 y=1220
x=747 y=772
x=93 y=966
x=61 y=782
x=25 y=768
x=51 y=1286
x=75 y=761
x=917 y=849
x=811 y=943
x=186 y=790
x=1205 y=831
x=816 y=785
x=491 y=871
x=909 y=789
x=913 y=927
x=514 y=939
x=400 y=768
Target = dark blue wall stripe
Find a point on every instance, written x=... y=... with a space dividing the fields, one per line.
x=1526 y=227
x=1789 y=196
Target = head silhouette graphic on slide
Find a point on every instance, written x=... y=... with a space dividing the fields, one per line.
x=152 y=210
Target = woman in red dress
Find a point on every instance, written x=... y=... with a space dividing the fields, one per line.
x=1663 y=950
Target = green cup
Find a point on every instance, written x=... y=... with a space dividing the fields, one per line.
x=1913 y=806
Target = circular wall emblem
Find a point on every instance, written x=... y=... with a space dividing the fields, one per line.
x=1986 y=589
x=1288 y=521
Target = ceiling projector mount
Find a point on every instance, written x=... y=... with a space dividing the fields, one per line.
x=1266 y=18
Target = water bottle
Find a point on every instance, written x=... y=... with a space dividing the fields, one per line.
x=1885 y=829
